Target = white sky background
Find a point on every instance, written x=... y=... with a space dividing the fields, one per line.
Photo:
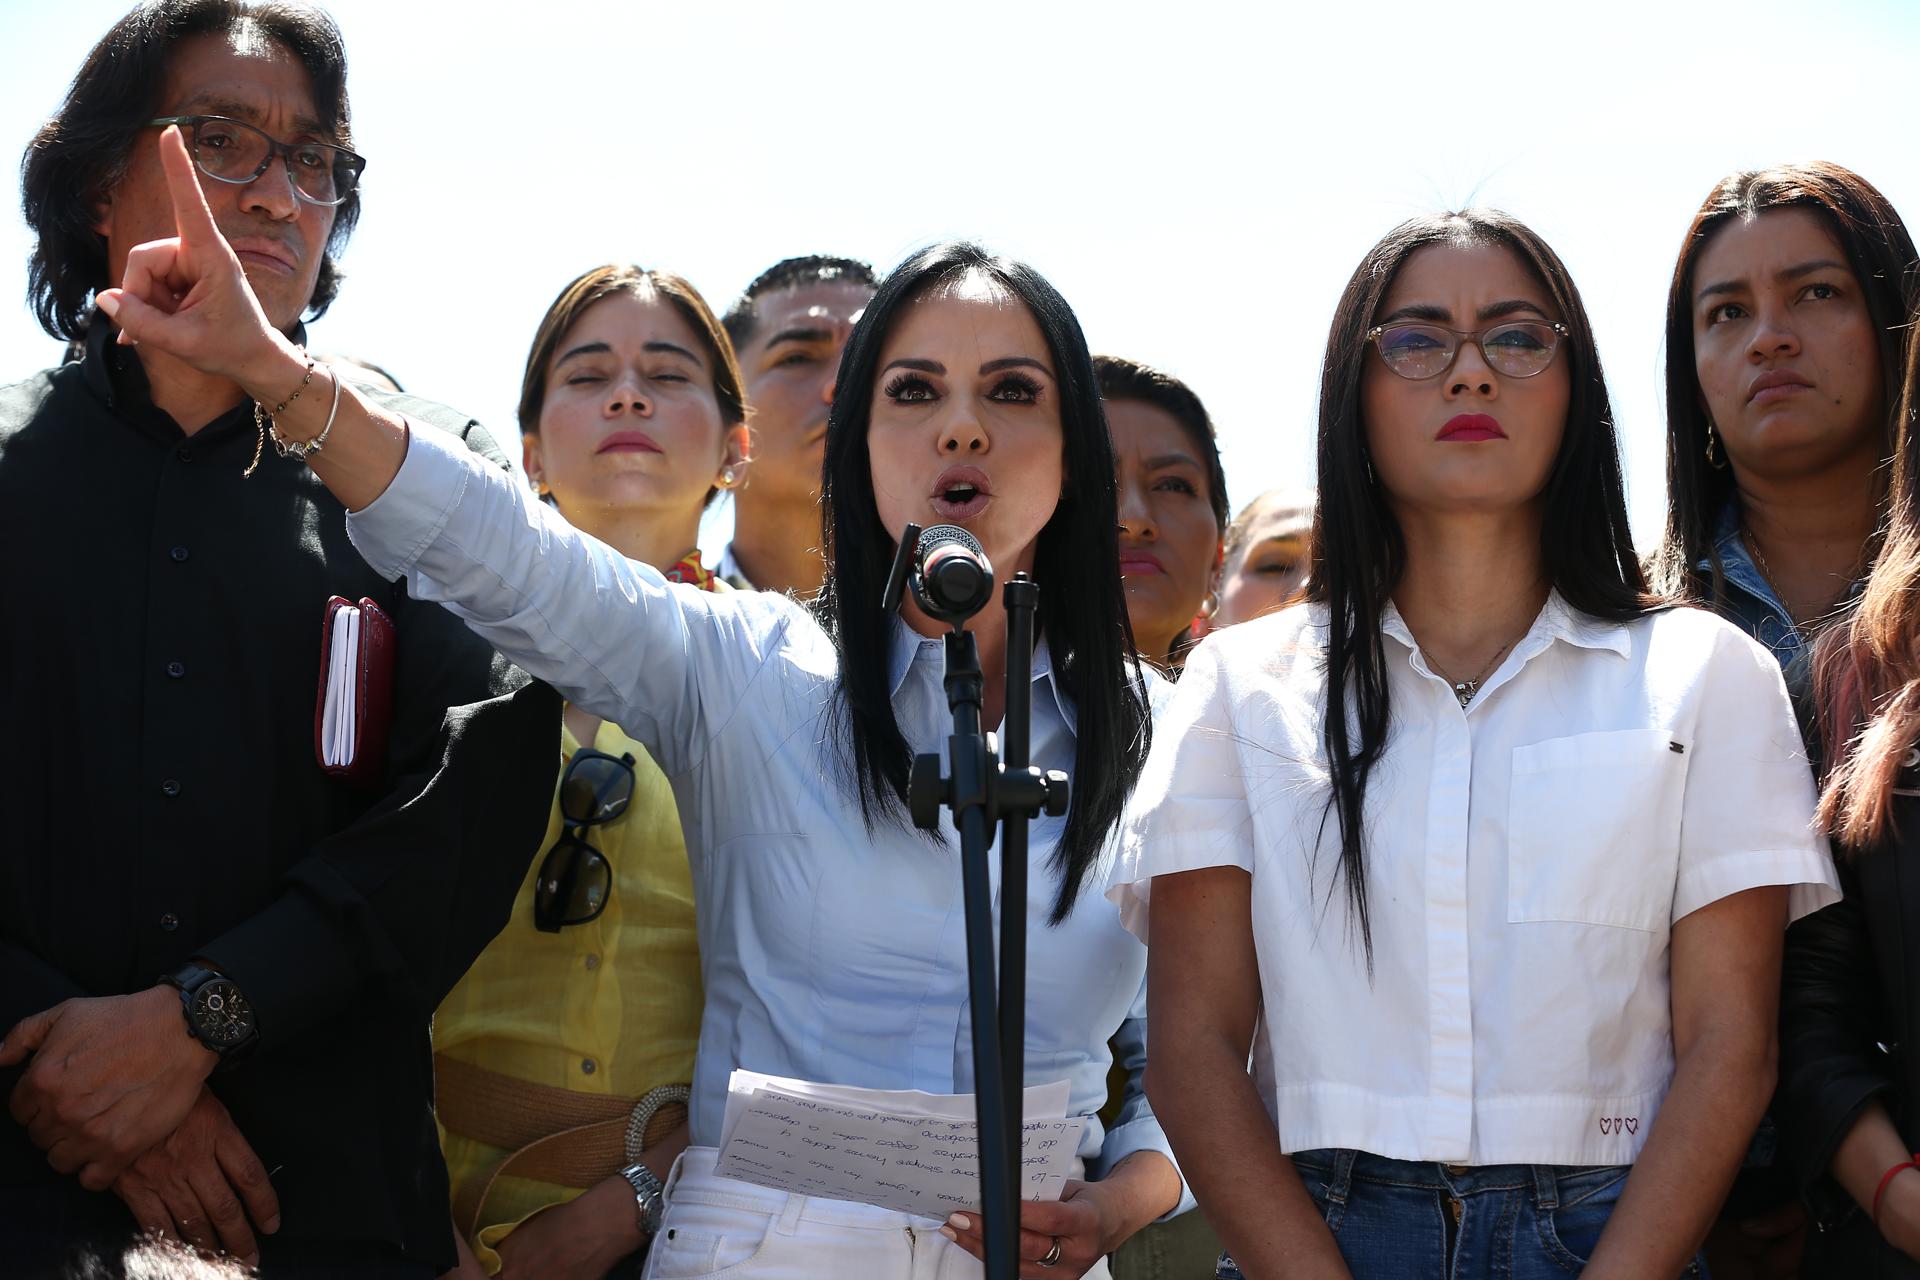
x=1198 y=179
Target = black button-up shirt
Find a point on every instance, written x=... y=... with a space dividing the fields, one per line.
x=160 y=797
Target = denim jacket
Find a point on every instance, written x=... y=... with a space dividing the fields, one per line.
x=1749 y=601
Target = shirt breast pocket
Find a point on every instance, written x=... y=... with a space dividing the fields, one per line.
x=1593 y=829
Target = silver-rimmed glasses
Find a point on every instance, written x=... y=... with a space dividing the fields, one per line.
x=234 y=151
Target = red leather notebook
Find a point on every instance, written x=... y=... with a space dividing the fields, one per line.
x=354 y=710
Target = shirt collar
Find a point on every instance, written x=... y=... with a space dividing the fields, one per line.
x=909 y=647
x=1557 y=620
x=115 y=375
x=1736 y=562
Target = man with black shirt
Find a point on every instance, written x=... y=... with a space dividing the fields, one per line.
x=218 y=961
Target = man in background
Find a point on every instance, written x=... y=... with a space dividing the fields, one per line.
x=789 y=329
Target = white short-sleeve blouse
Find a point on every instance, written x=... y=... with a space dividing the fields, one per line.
x=1526 y=859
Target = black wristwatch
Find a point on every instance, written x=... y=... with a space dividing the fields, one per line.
x=218 y=1016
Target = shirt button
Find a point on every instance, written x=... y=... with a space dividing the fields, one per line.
x=176 y=669
x=169 y=922
x=179 y=554
x=587 y=1066
x=183 y=453
x=593 y=962
x=171 y=787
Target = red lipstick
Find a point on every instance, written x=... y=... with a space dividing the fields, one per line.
x=1470 y=427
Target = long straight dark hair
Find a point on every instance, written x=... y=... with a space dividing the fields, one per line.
x=1083 y=610
x=1359 y=551
x=1881 y=255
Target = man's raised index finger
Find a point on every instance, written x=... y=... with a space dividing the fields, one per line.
x=191 y=217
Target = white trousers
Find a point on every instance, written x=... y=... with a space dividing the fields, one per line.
x=721 y=1227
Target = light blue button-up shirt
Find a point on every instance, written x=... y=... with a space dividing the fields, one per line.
x=829 y=951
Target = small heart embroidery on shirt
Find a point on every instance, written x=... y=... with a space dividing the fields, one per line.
x=1633 y=1124
x=1606 y=1124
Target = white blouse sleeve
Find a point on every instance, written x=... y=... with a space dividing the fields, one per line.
x=1747 y=817
x=666 y=662
x=1190 y=809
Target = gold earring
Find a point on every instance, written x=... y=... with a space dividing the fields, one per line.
x=1715 y=460
x=730 y=475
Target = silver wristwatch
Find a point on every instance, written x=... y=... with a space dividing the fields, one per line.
x=648 y=1200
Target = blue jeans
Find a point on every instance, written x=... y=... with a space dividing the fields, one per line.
x=1409 y=1220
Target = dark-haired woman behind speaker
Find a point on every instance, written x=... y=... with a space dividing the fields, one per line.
x=1785 y=318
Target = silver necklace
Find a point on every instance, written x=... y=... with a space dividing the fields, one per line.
x=1465 y=689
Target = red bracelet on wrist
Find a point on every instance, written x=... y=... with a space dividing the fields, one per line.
x=1888 y=1177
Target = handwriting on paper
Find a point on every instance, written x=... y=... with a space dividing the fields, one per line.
x=918 y=1164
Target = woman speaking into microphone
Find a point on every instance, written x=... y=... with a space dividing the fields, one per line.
x=830 y=930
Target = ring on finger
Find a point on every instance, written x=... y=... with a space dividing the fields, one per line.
x=1052 y=1255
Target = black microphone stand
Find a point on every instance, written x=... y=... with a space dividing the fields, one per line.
x=981 y=790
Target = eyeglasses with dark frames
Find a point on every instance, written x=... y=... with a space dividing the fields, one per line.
x=576 y=880
x=234 y=151
x=1515 y=348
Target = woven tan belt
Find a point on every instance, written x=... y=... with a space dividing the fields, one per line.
x=554 y=1135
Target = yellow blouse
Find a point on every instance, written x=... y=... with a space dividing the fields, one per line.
x=608 y=1007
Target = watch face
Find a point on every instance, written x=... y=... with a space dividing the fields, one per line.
x=221 y=1014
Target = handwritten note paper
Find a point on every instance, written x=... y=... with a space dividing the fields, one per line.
x=912 y=1152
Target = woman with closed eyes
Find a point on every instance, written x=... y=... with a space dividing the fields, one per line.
x=1501 y=931
x=830 y=931
x=1264 y=565
x=585 y=1009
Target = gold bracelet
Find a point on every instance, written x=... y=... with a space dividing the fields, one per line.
x=281 y=408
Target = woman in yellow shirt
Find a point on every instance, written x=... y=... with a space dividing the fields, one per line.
x=563 y=1056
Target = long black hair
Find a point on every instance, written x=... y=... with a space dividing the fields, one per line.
x=81 y=152
x=1359 y=550
x=1881 y=255
x=1083 y=609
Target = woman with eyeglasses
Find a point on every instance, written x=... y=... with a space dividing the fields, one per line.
x=831 y=935
x=1503 y=935
x=585 y=1009
x=1788 y=307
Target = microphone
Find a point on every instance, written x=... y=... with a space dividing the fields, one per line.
x=953 y=579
